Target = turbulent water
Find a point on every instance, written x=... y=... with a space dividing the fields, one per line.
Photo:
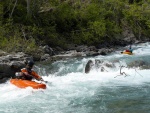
x=70 y=90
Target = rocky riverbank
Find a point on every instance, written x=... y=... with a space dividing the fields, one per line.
x=13 y=62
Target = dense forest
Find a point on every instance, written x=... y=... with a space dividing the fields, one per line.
x=27 y=24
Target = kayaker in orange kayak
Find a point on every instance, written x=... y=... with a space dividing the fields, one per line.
x=27 y=73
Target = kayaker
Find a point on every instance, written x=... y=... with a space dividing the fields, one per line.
x=129 y=50
x=27 y=73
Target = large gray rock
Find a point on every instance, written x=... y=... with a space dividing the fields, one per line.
x=11 y=63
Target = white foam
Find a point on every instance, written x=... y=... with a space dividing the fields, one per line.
x=78 y=84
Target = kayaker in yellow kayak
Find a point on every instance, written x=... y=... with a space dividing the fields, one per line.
x=27 y=73
x=129 y=50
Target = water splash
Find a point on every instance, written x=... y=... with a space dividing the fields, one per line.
x=70 y=90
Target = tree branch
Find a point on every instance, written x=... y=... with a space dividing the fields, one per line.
x=13 y=9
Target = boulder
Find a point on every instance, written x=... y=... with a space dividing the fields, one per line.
x=11 y=63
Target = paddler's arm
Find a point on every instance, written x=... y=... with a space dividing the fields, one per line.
x=36 y=76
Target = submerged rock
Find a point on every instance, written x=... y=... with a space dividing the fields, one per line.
x=88 y=66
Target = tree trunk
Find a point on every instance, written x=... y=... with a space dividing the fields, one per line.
x=28 y=8
x=1 y=14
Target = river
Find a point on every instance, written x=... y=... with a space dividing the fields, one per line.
x=70 y=90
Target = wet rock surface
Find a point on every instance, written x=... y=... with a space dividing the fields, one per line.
x=11 y=63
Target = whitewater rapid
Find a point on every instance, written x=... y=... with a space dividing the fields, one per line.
x=70 y=90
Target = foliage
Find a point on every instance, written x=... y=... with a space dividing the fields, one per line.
x=138 y=18
x=18 y=44
x=58 y=22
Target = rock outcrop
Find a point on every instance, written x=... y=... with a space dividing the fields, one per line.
x=11 y=63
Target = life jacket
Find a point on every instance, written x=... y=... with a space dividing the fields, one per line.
x=32 y=74
x=127 y=50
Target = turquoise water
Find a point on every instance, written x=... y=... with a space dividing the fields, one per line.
x=70 y=90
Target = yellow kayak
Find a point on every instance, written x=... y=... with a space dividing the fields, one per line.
x=128 y=53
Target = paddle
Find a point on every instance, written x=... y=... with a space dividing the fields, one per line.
x=45 y=81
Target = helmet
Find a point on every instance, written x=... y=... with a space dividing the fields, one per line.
x=30 y=63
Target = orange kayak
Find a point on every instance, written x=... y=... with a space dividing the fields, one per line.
x=26 y=83
x=129 y=53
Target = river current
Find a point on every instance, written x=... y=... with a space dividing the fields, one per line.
x=70 y=90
